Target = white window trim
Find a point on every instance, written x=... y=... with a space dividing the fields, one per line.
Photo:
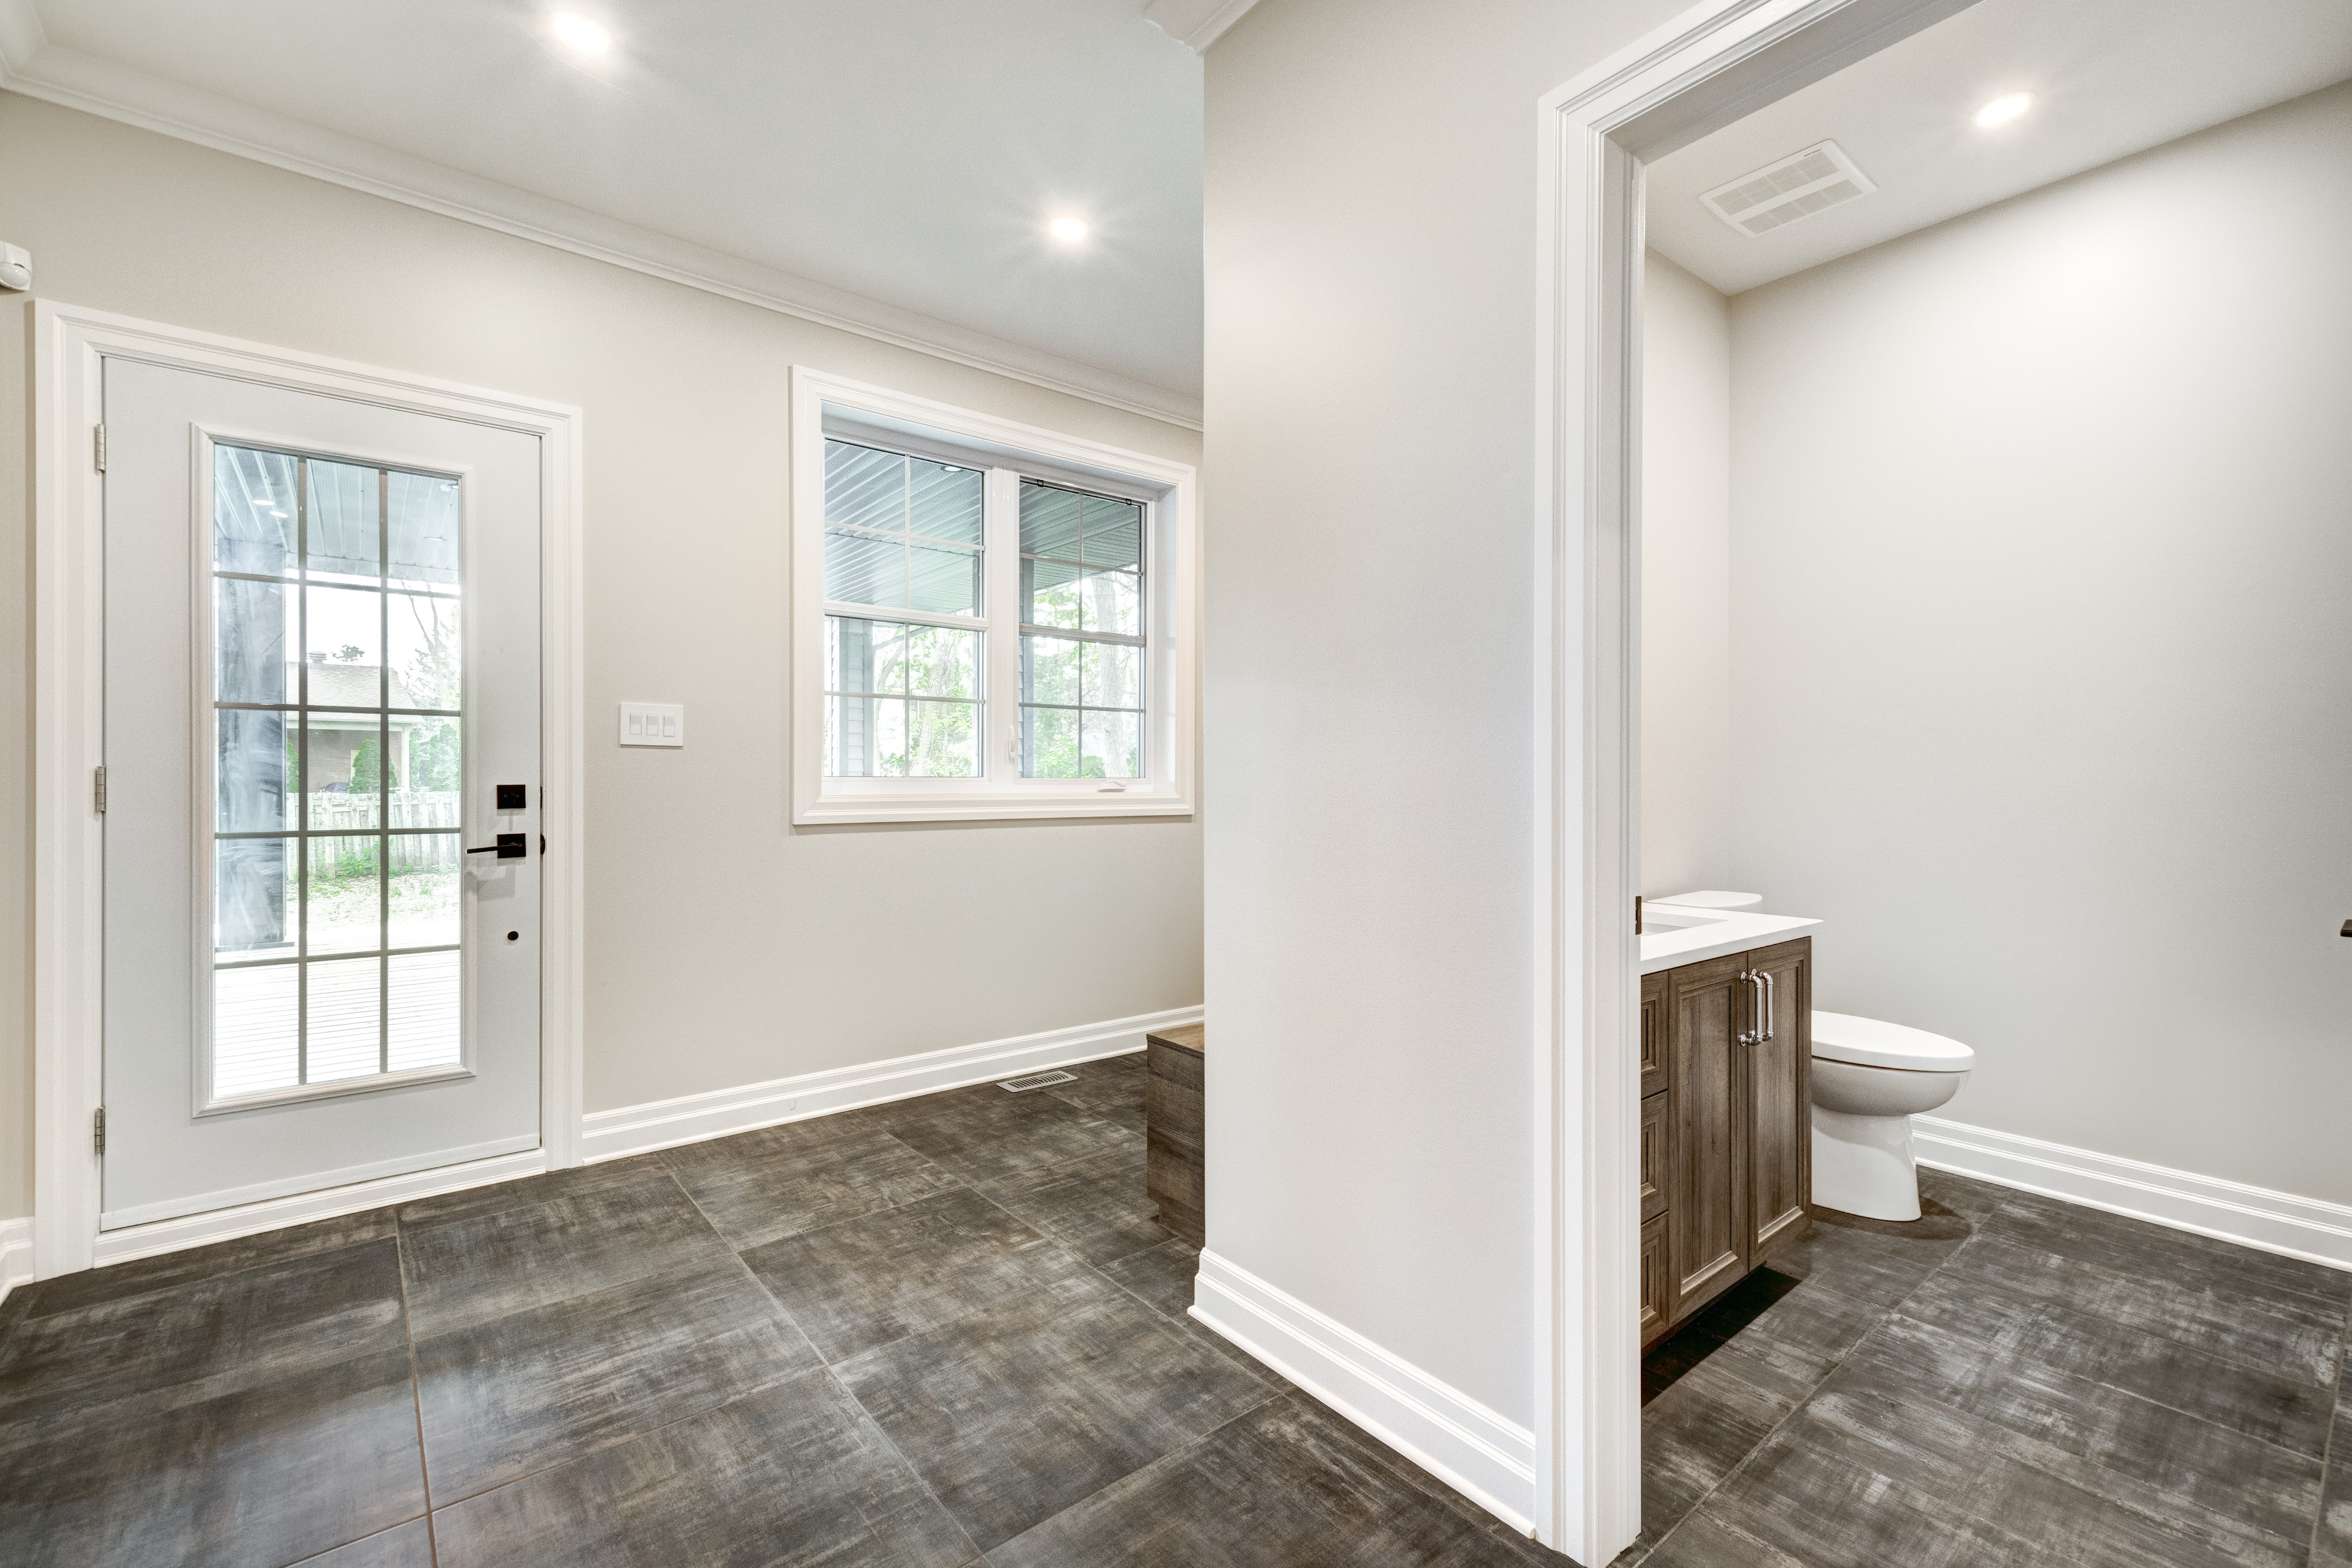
x=1170 y=614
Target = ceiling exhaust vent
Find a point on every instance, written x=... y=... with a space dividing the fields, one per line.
x=1798 y=186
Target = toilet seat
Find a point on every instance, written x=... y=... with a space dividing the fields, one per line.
x=1873 y=1043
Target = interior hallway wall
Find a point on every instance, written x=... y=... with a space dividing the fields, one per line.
x=2042 y=643
x=723 y=945
x=1685 y=581
x=1371 y=375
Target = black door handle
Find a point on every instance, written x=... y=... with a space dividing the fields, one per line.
x=510 y=847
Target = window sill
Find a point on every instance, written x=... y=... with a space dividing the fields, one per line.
x=878 y=807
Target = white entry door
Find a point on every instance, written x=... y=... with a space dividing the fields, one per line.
x=323 y=793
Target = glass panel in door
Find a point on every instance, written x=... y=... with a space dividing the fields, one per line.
x=338 y=727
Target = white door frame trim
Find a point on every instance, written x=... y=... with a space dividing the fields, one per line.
x=1714 y=64
x=68 y=722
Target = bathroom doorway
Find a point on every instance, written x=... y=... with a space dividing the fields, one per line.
x=1927 y=591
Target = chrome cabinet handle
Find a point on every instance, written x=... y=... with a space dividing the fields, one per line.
x=1769 y=994
x=1747 y=1035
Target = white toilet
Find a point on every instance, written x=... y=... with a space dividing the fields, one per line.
x=1870 y=1079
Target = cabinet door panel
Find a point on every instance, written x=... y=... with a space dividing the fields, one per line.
x=1655 y=1139
x=1706 y=1199
x=1653 y=1034
x=1780 y=1148
x=1657 y=1300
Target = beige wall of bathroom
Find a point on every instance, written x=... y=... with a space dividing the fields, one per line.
x=1685 y=581
x=723 y=946
x=1370 y=373
x=2041 y=656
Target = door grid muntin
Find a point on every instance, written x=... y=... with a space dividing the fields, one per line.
x=403 y=561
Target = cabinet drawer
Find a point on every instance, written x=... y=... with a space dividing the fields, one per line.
x=1656 y=1308
x=1653 y=1156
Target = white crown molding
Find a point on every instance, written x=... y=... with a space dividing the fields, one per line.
x=1487 y=1456
x=1195 y=24
x=2257 y=1217
x=32 y=66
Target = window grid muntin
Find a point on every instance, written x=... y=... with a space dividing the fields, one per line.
x=1140 y=639
x=905 y=537
x=833 y=691
x=301 y=835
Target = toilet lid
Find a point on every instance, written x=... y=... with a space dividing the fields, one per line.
x=1871 y=1042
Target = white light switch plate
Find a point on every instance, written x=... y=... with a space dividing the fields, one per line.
x=653 y=723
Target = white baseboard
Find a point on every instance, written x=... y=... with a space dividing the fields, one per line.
x=1486 y=1457
x=277 y=1213
x=15 y=1254
x=2257 y=1217
x=689 y=1119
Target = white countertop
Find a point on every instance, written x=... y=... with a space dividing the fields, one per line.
x=1674 y=934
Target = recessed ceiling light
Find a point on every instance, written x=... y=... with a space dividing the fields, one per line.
x=2004 y=109
x=587 y=37
x=1069 y=231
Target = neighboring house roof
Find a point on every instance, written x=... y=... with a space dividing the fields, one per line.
x=334 y=685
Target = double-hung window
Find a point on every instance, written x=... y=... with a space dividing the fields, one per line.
x=990 y=620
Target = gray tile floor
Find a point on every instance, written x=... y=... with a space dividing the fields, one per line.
x=2009 y=1380
x=908 y=1335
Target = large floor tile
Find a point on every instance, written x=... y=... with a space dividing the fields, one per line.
x=983 y=1133
x=1819 y=1506
x=278 y=1468
x=2332 y=1537
x=1875 y=1260
x=1110 y=1083
x=789 y=1476
x=90 y=1287
x=2080 y=1512
x=2215 y=1468
x=1712 y=1327
x=1096 y=1207
x=1286 y=1483
x=1161 y=1275
x=1014 y=1414
x=1694 y=1434
x=210 y=1336
x=2288 y=1412
x=1703 y=1540
x=494 y=1197
x=803 y=1176
x=519 y=1392
x=482 y=1266
x=868 y=1281
x=2158 y=1252
x=1799 y=1339
x=406 y=1545
x=2287 y=1333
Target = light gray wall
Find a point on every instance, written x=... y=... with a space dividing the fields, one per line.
x=1371 y=375
x=723 y=946
x=1685 y=581
x=2042 y=643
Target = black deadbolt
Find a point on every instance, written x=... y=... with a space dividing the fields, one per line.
x=514 y=797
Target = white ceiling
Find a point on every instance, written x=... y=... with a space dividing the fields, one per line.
x=905 y=150
x=2110 y=78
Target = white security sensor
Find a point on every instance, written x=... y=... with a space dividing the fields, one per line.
x=16 y=267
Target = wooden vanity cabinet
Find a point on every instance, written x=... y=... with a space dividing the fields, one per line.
x=1727 y=1124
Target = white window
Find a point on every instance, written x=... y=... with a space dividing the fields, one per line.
x=989 y=620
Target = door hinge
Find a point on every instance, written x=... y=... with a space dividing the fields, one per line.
x=98 y=788
x=98 y=447
x=98 y=1130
